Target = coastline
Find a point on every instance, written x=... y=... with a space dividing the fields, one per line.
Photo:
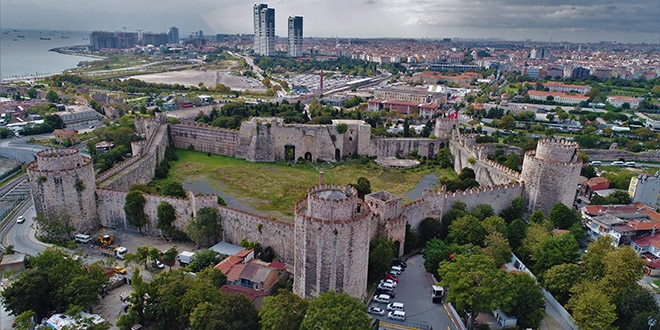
x=66 y=50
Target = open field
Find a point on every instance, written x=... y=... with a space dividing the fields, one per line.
x=274 y=188
x=209 y=77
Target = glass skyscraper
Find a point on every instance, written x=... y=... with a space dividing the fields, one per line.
x=295 y=36
x=264 y=30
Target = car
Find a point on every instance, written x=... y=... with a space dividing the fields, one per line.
x=397 y=315
x=158 y=264
x=384 y=285
x=388 y=281
x=618 y=163
x=389 y=292
x=120 y=270
x=400 y=263
x=393 y=273
x=382 y=298
x=376 y=310
x=389 y=276
x=20 y=219
x=397 y=269
x=630 y=164
x=395 y=306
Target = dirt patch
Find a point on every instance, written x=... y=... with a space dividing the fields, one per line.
x=210 y=78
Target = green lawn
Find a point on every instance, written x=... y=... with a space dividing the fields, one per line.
x=278 y=186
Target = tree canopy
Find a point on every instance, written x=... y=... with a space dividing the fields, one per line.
x=205 y=229
x=332 y=310
x=134 y=209
x=284 y=311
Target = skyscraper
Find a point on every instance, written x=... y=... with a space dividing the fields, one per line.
x=295 y=36
x=264 y=30
x=173 y=35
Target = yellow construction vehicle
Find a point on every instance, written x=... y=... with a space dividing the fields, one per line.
x=106 y=240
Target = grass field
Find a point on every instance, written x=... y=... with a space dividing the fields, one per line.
x=278 y=186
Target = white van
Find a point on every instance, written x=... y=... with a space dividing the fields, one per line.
x=395 y=306
x=596 y=163
x=82 y=238
x=630 y=164
x=618 y=163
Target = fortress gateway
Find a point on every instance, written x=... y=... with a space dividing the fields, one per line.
x=328 y=241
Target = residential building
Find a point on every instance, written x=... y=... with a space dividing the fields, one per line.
x=118 y=40
x=173 y=35
x=295 y=36
x=412 y=94
x=645 y=189
x=591 y=186
x=14 y=262
x=556 y=86
x=61 y=135
x=580 y=73
x=264 y=30
x=557 y=97
x=623 y=223
x=155 y=39
x=432 y=77
x=618 y=101
x=533 y=72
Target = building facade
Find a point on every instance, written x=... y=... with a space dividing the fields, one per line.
x=117 y=40
x=295 y=36
x=173 y=35
x=644 y=189
x=264 y=30
x=155 y=39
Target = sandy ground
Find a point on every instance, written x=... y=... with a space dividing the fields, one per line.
x=210 y=78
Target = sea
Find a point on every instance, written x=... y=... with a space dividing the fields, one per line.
x=25 y=53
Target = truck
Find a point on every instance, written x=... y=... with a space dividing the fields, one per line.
x=185 y=258
x=437 y=293
x=106 y=240
x=112 y=251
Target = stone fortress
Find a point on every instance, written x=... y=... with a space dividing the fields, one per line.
x=327 y=244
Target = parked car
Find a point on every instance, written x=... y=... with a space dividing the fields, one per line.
x=400 y=263
x=630 y=164
x=20 y=219
x=382 y=298
x=376 y=310
x=388 y=281
x=618 y=163
x=158 y=264
x=389 y=276
x=397 y=315
x=388 y=292
x=397 y=269
x=384 y=285
x=120 y=270
x=395 y=306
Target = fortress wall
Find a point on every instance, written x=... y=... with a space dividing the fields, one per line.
x=549 y=182
x=204 y=138
x=418 y=210
x=111 y=210
x=392 y=147
x=499 y=197
x=117 y=168
x=238 y=225
x=489 y=148
x=319 y=140
x=487 y=172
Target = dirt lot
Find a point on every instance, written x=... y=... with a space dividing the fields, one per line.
x=210 y=78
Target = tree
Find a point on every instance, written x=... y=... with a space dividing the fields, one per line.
x=527 y=301
x=32 y=93
x=56 y=282
x=134 y=209
x=436 y=251
x=169 y=256
x=467 y=230
x=476 y=284
x=381 y=253
x=335 y=311
x=555 y=250
x=429 y=228
x=497 y=247
x=550 y=117
x=591 y=308
x=203 y=259
x=166 y=216
x=52 y=96
x=623 y=269
x=495 y=224
x=631 y=302
x=363 y=187
x=284 y=311
x=514 y=211
x=457 y=211
x=537 y=217
x=466 y=173
x=593 y=258
x=173 y=189
x=507 y=122
x=483 y=211
x=515 y=233
x=205 y=228
x=562 y=217
x=233 y=311
x=55 y=227
x=559 y=280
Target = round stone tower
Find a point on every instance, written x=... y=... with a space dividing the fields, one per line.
x=61 y=180
x=550 y=174
x=331 y=251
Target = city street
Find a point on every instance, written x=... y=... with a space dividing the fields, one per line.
x=414 y=291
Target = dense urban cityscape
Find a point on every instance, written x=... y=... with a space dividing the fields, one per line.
x=280 y=180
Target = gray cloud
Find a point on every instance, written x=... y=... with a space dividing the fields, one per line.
x=585 y=20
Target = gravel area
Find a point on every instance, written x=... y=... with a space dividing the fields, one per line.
x=210 y=78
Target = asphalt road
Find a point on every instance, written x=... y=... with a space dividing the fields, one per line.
x=414 y=291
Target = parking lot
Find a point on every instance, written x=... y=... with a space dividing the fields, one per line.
x=414 y=291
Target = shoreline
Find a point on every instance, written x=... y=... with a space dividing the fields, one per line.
x=60 y=50
x=66 y=51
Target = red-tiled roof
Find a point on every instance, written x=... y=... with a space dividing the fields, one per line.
x=243 y=253
x=277 y=264
x=225 y=265
x=235 y=272
x=237 y=289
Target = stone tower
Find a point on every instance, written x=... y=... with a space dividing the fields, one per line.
x=331 y=251
x=550 y=174
x=444 y=127
x=61 y=180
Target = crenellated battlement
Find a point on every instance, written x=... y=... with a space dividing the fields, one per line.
x=501 y=167
x=350 y=192
x=469 y=192
x=192 y=124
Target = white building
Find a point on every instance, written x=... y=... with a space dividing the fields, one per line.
x=645 y=189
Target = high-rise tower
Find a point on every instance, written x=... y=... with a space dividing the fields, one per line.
x=264 y=30
x=173 y=35
x=295 y=36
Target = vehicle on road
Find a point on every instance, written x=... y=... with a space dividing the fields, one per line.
x=120 y=270
x=111 y=251
x=389 y=276
x=630 y=164
x=397 y=269
x=397 y=315
x=20 y=219
x=158 y=264
x=382 y=298
x=388 y=281
x=595 y=163
x=376 y=310
x=389 y=292
x=437 y=293
x=384 y=285
x=618 y=163
x=400 y=263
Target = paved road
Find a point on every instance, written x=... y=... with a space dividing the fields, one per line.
x=414 y=290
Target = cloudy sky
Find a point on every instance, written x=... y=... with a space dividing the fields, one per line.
x=544 y=20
